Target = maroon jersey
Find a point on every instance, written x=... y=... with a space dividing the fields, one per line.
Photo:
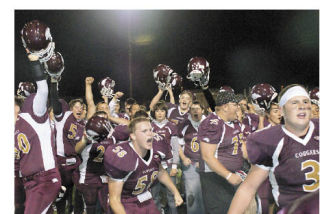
x=120 y=133
x=228 y=136
x=124 y=116
x=308 y=204
x=166 y=129
x=174 y=114
x=293 y=163
x=252 y=120
x=188 y=134
x=69 y=131
x=123 y=163
x=91 y=169
x=34 y=141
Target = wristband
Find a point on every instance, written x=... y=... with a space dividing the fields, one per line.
x=229 y=175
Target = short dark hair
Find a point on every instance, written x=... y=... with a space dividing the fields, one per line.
x=140 y=113
x=196 y=102
x=130 y=101
x=99 y=113
x=225 y=97
x=161 y=105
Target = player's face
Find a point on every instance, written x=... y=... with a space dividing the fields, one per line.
x=232 y=109
x=143 y=135
x=314 y=111
x=160 y=114
x=134 y=109
x=243 y=105
x=185 y=101
x=103 y=107
x=16 y=111
x=297 y=113
x=275 y=115
x=196 y=112
x=127 y=108
x=77 y=110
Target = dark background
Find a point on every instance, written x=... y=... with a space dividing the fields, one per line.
x=243 y=48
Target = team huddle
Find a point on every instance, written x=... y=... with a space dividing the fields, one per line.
x=236 y=153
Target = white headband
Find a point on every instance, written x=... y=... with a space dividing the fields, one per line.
x=293 y=92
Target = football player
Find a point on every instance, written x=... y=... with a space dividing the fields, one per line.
x=90 y=178
x=19 y=193
x=220 y=139
x=34 y=146
x=134 y=166
x=289 y=154
x=168 y=130
x=190 y=156
x=69 y=130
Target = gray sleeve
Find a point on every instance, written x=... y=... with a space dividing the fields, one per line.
x=175 y=149
x=41 y=98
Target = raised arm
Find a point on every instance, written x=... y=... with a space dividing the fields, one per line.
x=40 y=100
x=156 y=98
x=169 y=89
x=54 y=97
x=89 y=97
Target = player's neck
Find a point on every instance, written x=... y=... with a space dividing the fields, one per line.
x=296 y=131
x=223 y=116
x=141 y=151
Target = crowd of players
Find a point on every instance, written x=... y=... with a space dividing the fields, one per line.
x=235 y=156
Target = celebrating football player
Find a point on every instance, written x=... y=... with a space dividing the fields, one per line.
x=34 y=144
x=289 y=154
x=134 y=166
x=90 y=178
x=69 y=130
x=168 y=130
x=220 y=145
x=190 y=157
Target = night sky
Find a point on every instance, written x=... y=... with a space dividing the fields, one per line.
x=243 y=48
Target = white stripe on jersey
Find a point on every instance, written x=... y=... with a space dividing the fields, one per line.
x=272 y=177
x=43 y=131
x=59 y=138
x=83 y=166
x=206 y=167
x=303 y=141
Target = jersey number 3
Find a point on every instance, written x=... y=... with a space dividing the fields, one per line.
x=312 y=175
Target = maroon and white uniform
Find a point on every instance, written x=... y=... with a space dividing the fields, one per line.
x=120 y=133
x=34 y=150
x=251 y=120
x=174 y=114
x=228 y=136
x=188 y=137
x=293 y=162
x=69 y=132
x=168 y=130
x=124 y=164
x=91 y=178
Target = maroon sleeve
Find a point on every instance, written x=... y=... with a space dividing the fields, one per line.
x=121 y=133
x=174 y=129
x=210 y=130
x=119 y=161
x=261 y=145
x=170 y=105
